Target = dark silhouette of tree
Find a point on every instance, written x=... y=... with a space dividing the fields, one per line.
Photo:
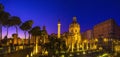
x=55 y=44
x=1 y=7
x=26 y=26
x=7 y=24
x=44 y=35
x=4 y=16
x=15 y=21
x=29 y=35
x=35 y=31
x=4 y=20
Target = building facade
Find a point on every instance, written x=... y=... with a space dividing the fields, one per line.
x=107 y=29
x=87 y=35
x=73 y=39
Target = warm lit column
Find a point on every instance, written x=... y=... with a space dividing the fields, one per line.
x=87 y=46
x=82 y=46
x=90 y=45
x=36 y=45
x=78 y=46
x=72 y=47
x=59 y=28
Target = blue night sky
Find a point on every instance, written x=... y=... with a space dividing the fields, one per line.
x=47 y=12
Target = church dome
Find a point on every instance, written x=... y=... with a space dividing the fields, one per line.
x=74 y=26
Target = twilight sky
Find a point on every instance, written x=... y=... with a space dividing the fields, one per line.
x=47 y=12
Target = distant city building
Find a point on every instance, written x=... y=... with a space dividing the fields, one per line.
x=107 y=29
x=87 y=34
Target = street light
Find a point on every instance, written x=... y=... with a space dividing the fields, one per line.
x=85 y=41
x=96 y=40
x=105 y=39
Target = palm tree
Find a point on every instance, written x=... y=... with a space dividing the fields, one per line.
x=15 y=21
x=26 y=26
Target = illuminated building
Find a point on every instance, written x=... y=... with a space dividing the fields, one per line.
x=117 y=48
x=15 y=39
x=59 y=27
x=87 y=34
x=74 y=42
x=32 y=40
x=107 y=29
x=74 y=36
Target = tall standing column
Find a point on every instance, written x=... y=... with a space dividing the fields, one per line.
x=59 y=28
